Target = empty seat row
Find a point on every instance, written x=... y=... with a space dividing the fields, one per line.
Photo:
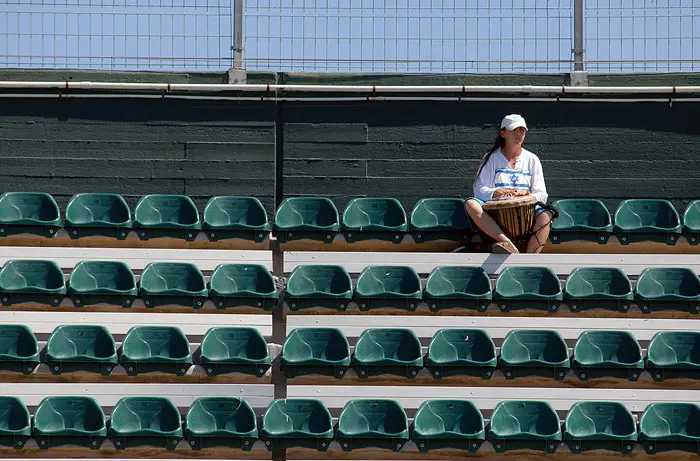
x=231 y=217
x=515 y=288
x=317 y=218
x=155 y=216
x=110 y=282
x=134 y=421
x=364 y=423
x=634 y=221
x=95 y=282
x=379 y=351
x=144 y=349
x=468 y=352
x=383 y=424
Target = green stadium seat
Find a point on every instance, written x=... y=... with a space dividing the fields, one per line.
x=145 y=421
x=236 y=285
x=164 y=349
x=454 y=424
x=221 y=421
x=69 y=421
x=642 y=220
x=105 y=215
x=691 y=222
x=600 y=426
x=297 y=423
x=32 y=281
x=372 y=424
x=19 y=350
x=661 y=288
x=173 y=216
x=313 y=218
x=322 y=351
x=394 y=351
x=318 y=286
x=463 y=287
x=440 y=219
x=604 y=353
x=29 y=213
x=521 y=424
x=374 y=219
x=180 y=284
x=102 y=282
x=388 y=286
x=674 y=354
x=528 y=288
x=581 y=219
x=455 y=352
x=15 y=424
x=598 y=288
x=235 y=217
x=534 y=352
x=669 y=427
x=81 y=348
x=235 y=350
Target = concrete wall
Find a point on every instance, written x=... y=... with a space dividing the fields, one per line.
x=407 y=150
x=137 y=146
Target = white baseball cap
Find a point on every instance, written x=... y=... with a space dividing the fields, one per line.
x=513 y=121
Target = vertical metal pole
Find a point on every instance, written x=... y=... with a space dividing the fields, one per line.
x=579 y=49
x=238 y=34
x=279 y=321
x=279 y=333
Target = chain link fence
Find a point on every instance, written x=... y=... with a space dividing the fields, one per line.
x=409 y=36
x=426 y=36
x=642 y=35
x=116 y=34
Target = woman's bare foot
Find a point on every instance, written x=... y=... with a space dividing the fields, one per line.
x=506 y=247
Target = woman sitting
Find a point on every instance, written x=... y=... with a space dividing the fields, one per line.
x=509 y=169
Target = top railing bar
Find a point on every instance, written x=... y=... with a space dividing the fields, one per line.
x=398 y=89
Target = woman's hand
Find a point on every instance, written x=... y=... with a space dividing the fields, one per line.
x=500 y=192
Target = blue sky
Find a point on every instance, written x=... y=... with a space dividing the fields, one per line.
x=345 y=35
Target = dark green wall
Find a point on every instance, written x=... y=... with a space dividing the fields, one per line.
x=419 y=149
x=407 y=150
x=138 y=146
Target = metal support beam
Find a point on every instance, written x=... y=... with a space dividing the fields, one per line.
x=237 y=74
x=579 y=76
x=579 y=50
x=238 y=34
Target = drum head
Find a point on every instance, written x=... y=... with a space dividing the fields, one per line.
x=510 y=202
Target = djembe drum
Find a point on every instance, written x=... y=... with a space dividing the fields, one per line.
x=516 y=216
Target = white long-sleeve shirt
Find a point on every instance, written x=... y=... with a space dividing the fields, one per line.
x=497 y=173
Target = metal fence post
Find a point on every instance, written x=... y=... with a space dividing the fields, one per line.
x=279 y=333
x=236 y=74
x=579 y=76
